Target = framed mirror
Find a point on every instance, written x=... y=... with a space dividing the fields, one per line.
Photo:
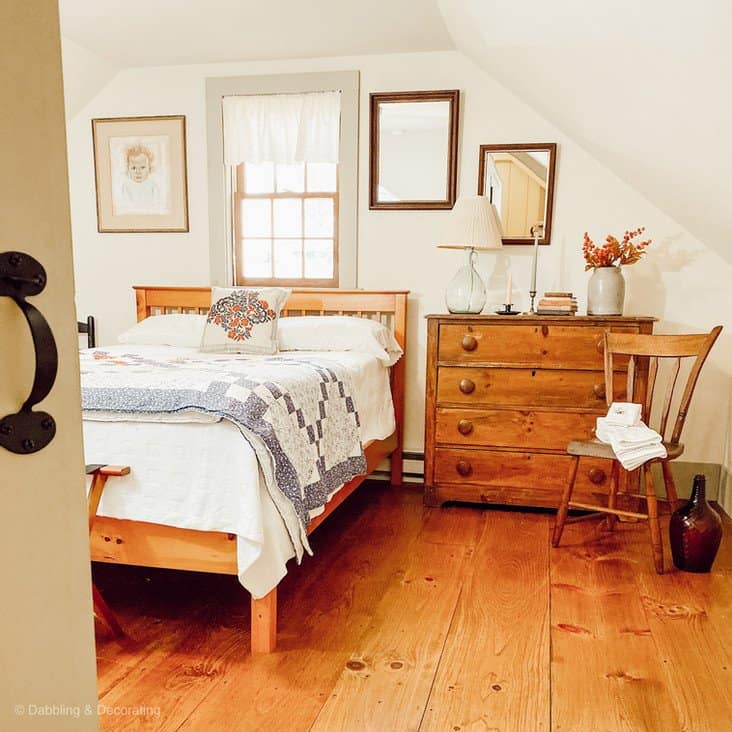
x=519 y=181
x=414 y=138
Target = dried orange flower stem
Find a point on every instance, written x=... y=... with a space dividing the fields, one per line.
x=613 y=252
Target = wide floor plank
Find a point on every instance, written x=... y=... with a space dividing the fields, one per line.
x=410 y=618
x=387 y=679
x=690 y=618
x=606 y=670
x=494 y=672
x=325 y=607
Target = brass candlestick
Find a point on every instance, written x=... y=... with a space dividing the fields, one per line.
x=537 y=232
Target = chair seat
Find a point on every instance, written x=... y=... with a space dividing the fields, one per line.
x=595 y=448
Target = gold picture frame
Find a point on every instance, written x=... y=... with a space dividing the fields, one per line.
x=140 y=173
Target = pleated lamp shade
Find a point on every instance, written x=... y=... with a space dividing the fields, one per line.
x=473 y=222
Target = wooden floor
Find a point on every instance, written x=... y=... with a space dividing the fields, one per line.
x=407 y=618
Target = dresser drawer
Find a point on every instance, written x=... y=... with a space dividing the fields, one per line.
x=512 y=428
x=523 y=470
x=546 y=346
x=525 y=387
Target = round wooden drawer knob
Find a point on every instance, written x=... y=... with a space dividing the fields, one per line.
x=469 y=343
x=463 y=467
x=600 y=344
x=467 y=386
x=596 y=476
x=599 y=391
x=465 y=426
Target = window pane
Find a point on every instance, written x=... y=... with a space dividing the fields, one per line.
x=256 y=217
x=288 y=217
x=319 y=217
x=288 y=258
x=322 y=177
x=257 y=255
x=319 y=258
x=259 y=177
x=290 y=178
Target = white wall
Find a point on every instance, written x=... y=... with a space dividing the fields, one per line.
x=85 y=74
x=681 y=281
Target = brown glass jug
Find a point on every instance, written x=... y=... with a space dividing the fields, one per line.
x=696 y=531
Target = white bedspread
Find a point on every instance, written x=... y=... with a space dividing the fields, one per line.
x=196 y=474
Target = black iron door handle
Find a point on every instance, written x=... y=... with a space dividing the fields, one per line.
x=26 y=431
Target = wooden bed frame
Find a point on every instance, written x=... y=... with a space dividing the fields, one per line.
x=155 y=545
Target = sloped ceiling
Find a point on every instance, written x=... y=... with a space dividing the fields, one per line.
x=645 y=87
x=85 y=74
x=166 y=32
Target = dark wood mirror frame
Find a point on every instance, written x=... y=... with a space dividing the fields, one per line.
x=551 y=148
x=453 y=97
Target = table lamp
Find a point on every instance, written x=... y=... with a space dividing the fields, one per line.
x=473 y=225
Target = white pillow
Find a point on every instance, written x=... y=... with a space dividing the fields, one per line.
x=338 y=333
x=175 y=329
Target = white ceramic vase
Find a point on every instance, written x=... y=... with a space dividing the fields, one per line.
x=606 y=291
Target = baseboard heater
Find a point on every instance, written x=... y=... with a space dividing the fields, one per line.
x=413 y=468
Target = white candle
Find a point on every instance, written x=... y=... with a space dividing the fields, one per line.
x=508 y=290
x=533 y=263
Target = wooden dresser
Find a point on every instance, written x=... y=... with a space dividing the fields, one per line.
x=505 y=394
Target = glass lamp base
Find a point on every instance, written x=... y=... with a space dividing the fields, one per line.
x=466 y=292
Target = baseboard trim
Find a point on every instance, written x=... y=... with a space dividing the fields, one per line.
x=725 y=490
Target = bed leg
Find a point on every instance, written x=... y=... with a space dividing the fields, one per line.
x=264 y=623
x=396 y=467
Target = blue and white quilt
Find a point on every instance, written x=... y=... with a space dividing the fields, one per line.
x=298 y=414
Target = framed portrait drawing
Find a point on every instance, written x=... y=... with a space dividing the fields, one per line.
x=140 y=174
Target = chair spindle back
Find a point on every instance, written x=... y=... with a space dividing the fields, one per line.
x=651 y=349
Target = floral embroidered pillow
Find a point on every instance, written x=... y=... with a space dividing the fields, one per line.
x=243 y=319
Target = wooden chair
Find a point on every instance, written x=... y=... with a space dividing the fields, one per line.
x=99 y=474
x=644 y=352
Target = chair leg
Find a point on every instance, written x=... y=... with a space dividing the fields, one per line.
x=611 y=517
x=653 y=523
x=668 y=480
x=564 y=503
x=104 y=613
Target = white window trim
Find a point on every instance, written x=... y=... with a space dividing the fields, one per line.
x=219 y=204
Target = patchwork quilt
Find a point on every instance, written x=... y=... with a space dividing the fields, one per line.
x=298 y=414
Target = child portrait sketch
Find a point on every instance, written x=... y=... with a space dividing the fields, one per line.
x=140 y=173
x=140 y=168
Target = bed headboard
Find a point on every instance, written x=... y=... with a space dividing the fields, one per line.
x=387 y=306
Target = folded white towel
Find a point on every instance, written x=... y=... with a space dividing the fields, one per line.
x=633 y=459
x=632 y=445
x=624 y=414
x=638 y=434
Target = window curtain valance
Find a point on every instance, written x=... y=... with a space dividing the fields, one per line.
x=282 y=128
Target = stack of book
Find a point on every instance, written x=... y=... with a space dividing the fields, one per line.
x=557 y=303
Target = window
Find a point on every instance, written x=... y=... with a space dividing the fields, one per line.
x=227 y=169
x=286 y=224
